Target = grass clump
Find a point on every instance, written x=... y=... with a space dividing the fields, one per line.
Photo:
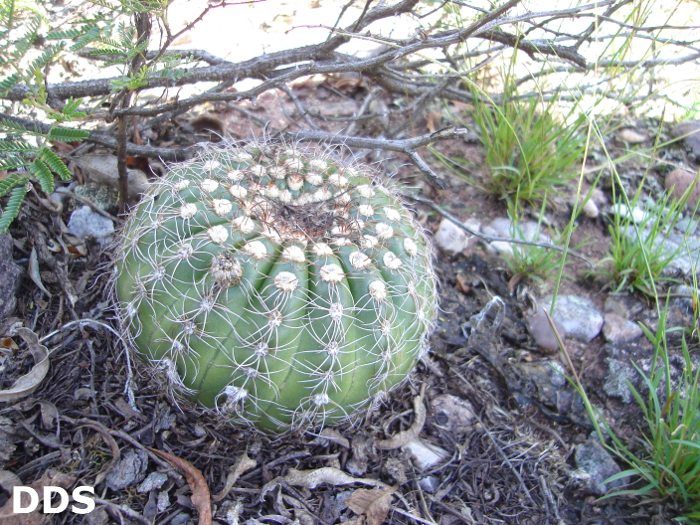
x=641 y=247
x=669 y=462
x=529 y=153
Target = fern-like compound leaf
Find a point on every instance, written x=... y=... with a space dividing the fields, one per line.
x=43 y=174
x=7 y=83
x=68 y=34
x=12 y=127
x=67 y=134
x=12 y=209
x=15 y=146
x=55 y=163
x=11 y=181
x=12 y=163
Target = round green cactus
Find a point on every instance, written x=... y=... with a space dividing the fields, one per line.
x=275 y=285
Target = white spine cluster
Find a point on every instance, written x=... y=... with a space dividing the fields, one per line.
x=276 y=285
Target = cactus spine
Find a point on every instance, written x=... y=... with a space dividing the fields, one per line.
x=275 y=285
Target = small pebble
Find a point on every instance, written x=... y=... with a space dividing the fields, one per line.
x=678 y=181
x=429 y=484
x=450 y=237
x=631 y=136
x=636 y=215
x=598 y=465
x=689 y=132
x=425 y=455
x=578 y=315
x=618 y=330
x=541 y=332
x=87 y=224
x=453 y=413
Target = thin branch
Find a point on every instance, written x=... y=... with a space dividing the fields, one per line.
x=406 y=146
x=492 y=238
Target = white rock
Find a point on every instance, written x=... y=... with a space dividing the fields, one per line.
x=500 y=248
x=636 y=215
x=425 y=455
x=87 y=224
x=590 y=209
x=450 y=237
x=631 y=136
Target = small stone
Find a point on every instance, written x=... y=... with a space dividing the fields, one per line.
x=689 y=132
x=598 y=465
x=453 y=413
x=590 y=209
x=624 y=304
x=620 y=375
x=429 y=484
x=578 y=315
x=631 y=136
x=677 y=183
x=450 y=237
x=618 y=330
x=154 y=480
x=636 y=215
x=130 y=469
x=500 y=248
x=541 y=332
x=87 y=224
x=425 y=455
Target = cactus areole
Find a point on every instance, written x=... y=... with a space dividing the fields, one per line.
x=275 y=285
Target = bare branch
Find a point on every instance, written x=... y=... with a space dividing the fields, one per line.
x=406 y=146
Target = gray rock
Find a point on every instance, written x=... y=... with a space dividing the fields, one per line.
x=429 y=484
x=597 y=465
x=618 y=330
x=620 y=373
x=541 y=332
x=10 y=277
x=636 y=215
x=528 y=230
x=689 y=132
x=506 y=229
x=682 y=298
x=450 y=237
x=578 y=315
x=155 y=480
x=130 y=469
x=87 y=224
x=624 y=304
x=453 y=413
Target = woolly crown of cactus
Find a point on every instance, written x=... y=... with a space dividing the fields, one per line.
x=275 y=285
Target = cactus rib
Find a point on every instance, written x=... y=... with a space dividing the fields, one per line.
x=275 y=285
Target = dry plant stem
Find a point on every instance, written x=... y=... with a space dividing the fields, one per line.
x=324 y=59
x=105 y=139
x=407 y=146
x=506 y=459
x=409 y=435
x=242 y=464
x=563 y=348
x=126 y=511
x=113 y=447
x=491 y=238
x=142 y=21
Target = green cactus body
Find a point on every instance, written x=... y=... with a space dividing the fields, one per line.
x=275 y=285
